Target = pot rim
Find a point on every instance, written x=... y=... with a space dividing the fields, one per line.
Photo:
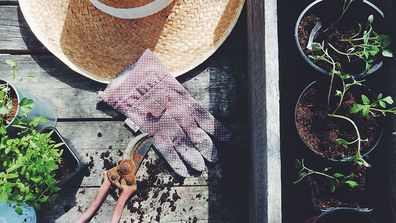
x=316 y=67
x=18 y=97
x=344 y=210
x=316 y=152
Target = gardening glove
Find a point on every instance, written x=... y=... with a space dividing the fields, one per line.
x=159 y=104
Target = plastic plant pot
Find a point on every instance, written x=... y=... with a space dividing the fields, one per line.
x=71 y=163
x=315 y=204
x=365 y=152
x=340 y=215
x=41 y=107
x=324 y=8
x=8 y=214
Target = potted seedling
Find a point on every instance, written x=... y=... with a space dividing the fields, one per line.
x=33 y=164
x=14 y=102
x=71 y=162
x=350 y=30
x=324 y=119
x=336 y=187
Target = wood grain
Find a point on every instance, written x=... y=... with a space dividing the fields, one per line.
x=75 y=96
x=265 y=192
x=218 y=194
x=160 y=205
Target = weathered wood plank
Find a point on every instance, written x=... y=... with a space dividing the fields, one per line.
x=176 y=204
x=214 y=85
x=101 y=143
x=263 y=71
x=15 y=32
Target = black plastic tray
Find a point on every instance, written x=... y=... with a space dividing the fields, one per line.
x=68 y=153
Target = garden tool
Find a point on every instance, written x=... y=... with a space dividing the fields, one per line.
x=122 y=176
x=157 y=103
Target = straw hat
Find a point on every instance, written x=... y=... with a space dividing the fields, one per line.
x=99 y=45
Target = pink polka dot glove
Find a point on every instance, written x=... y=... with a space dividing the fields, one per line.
x=159 y=104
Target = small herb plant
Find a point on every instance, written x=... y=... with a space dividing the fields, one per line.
x=366 y=45
x=336 y=179
x=347 y=82
x=378 y=107
x=28 y=163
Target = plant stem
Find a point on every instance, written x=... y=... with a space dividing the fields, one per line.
x=359 y=139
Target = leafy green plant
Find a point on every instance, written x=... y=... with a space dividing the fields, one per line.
x=336 y=179
x=376 y=108
x=346 y=79
x=28 y=162
x=366 y=45
x=347 y=82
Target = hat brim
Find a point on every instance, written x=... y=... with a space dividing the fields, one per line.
x=98 y=45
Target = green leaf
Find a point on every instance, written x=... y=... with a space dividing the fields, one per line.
x=351 y=183
x=366 y=111
x=18 y=210
x=387 y=53
x=388 y=100
x=382 y=104
x=356 y=108
x=365 y=100
x=3 y=195
x=343 y=142
x=316 y=47
x=26 y=105
x=297 y=164
x=332 y=188
x=338 y=175
x=373 y=50
x=11 y=63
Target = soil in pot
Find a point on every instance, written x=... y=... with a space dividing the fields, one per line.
x=13 y=111
x=327 y=12
x=320 y=131
x=343 y=196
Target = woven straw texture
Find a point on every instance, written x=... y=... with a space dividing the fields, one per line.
x=98 y=45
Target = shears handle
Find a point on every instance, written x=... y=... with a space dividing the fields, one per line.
x=97 y=202
x=122 y=199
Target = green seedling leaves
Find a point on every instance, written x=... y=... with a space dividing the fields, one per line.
x=377 y=107
x=26 y=105
x=28 y=164
x=351 y=183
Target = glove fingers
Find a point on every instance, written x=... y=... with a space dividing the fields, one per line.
x=171 y=156
x=211 y=125
x=189 y=153
x=203 y=143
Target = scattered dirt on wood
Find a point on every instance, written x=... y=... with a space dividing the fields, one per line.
x=108 y=161
x=161 y=191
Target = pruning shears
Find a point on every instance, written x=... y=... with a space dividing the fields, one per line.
x=122 y=176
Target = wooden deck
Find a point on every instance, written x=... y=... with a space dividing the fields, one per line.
x=219 y=194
